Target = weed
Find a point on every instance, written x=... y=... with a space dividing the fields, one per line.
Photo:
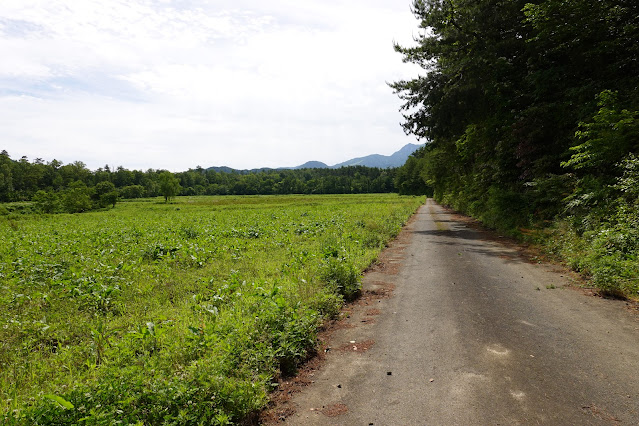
x=340 y=273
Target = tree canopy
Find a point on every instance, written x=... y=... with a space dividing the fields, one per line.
x=169 y=186
x=515 y=92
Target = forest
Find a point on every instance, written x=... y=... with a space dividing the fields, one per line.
x=73 y=188
x=531 y=114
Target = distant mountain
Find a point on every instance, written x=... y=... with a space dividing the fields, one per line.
x=312 y=165
x=224 y=169
x=382 y=161
x=375 y=160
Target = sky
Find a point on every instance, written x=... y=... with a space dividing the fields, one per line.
x=175 y=84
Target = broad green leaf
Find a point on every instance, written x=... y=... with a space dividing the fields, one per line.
x=60 y=401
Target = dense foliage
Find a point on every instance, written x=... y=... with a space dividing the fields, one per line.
x=531 y=109
x=58 y=187
x=181 y=313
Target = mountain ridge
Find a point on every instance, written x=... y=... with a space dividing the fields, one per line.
x=397 y=159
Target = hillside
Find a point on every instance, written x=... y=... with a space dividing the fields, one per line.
x=382 y=161
x=396 y=159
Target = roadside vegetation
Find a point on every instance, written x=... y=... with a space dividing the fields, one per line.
x=175 y=313
x=531 y=110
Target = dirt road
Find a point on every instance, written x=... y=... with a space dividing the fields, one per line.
x=474 y=334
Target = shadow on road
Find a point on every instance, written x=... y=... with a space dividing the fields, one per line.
x=464 y=239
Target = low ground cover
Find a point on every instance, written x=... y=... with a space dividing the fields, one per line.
x=180 y=313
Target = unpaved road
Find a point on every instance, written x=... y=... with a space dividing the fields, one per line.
x=474 y=334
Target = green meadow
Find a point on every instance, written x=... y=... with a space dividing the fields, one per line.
x=179 y=313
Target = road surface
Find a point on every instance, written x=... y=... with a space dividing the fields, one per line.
x=474 y=334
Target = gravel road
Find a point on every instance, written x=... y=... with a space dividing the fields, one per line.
x=474 y=333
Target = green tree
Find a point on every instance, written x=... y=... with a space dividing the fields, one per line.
x=77 y=198
x=169 y=186
x=6 y=177
x=106 y=194
x=132 y=191
x=606 y=139
x=409 y=179
x=47 y=201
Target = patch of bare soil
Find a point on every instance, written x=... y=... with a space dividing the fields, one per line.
x=633 y=306
x=342 y=325
x=367 y=321
x=372 y=296
x=388 y=267
x=334 y=410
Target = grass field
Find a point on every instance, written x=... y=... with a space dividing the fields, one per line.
x=181 y=313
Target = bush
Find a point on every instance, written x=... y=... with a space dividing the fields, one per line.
x=105 y=194
x=77 y=198
x=47 y=202
x=340 y=273
x=109 y=199
x=505 y=209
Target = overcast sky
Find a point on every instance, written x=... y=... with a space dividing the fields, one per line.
x=173 y=84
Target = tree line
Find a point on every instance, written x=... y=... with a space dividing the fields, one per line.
x=72 y=187
x=531 y=113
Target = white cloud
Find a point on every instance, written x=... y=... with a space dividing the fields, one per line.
x=173 y=84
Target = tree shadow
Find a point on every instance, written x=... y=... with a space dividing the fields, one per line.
x=473 y=241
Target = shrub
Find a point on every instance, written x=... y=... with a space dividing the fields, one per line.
x=339 y=272
x=77 y=198
x=47 y=202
